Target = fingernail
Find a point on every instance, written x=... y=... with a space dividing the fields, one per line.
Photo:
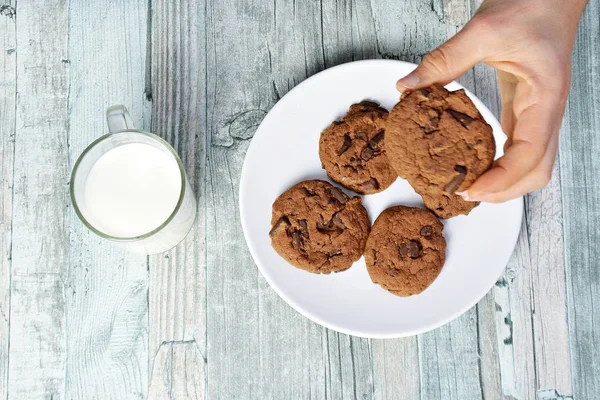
x=464 y=195
x=481 y=196
x=410 y=81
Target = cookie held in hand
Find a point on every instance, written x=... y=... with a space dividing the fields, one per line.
x=440 y=143
x=318 y=228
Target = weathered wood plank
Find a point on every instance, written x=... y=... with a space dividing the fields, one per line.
x=8 y=98
x=483 y=83
x=179 y=372
x=257 y=347
x=40 y=238
x=530 y=303
x=177 y=297
x=514 y=326
x=449 y=360
x=106 y=293
x=549 y=301
x=396 y=371
x=487 y=345
x=580 y=168
x=281 y=46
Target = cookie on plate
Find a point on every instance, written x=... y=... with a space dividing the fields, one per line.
x=440 y=143
x=405 y=251
x=318 y=228
x=351 y=150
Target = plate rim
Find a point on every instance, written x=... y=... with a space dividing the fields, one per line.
x=281 y=293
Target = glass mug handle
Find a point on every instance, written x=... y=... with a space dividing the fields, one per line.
x=118 y=119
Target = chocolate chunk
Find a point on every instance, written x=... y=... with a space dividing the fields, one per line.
x=361 y=136
x=425 y=92
x=309 y=193
x=433 y=121
x=426 y=231
x=297 y=240
x=335 y=224
x=367 y=153
x=403 y=250
x=432 y=126
x=457 y=180
x=339 y=195
x=461 y=169
x=414 y=249
x=322 y=227
x=454 y=183
x=374 y=143
x=371 y=184
x=283 y=221
x=304 y=226
x=345 y=146
x=464 y=119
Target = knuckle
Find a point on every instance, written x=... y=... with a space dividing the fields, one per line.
x=437 y=61
x=484 y=22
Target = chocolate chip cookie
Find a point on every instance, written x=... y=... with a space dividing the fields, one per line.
x=318 y=228
x=440 y=143
x=405 y=251
x=351 y=150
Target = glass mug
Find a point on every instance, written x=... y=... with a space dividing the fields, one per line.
x=130 y=187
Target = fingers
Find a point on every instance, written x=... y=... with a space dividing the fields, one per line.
x=531 y=151
x=535 y=180
x=508 y=87
x=447 y=62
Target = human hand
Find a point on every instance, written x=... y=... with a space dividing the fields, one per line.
x=529 y=43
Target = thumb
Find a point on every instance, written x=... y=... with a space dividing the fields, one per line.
x=447 y=62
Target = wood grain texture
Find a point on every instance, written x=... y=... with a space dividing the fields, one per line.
x=106 y=290
x=449 y=360
x=8 y=98
x=40 y=240
x=258 y=347
x=482 y=81
x=530 y=303
x=549 y=311
x=396 y=372
x=177 y=296
x=579 y=169
x=487 y=344
x=179 y=372
x=514 y=323
x=89 y=321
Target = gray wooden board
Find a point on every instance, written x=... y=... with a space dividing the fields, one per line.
x=177 y=295
x=106 y=288
x=80 y=318
x=8 y=91
x=579 y=169
x=40 y=242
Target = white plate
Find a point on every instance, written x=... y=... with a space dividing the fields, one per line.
x=285 y=150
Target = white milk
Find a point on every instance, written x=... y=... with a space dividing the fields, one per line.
x=131 y=190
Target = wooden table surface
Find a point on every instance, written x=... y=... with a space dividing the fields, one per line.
x=81 y=319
